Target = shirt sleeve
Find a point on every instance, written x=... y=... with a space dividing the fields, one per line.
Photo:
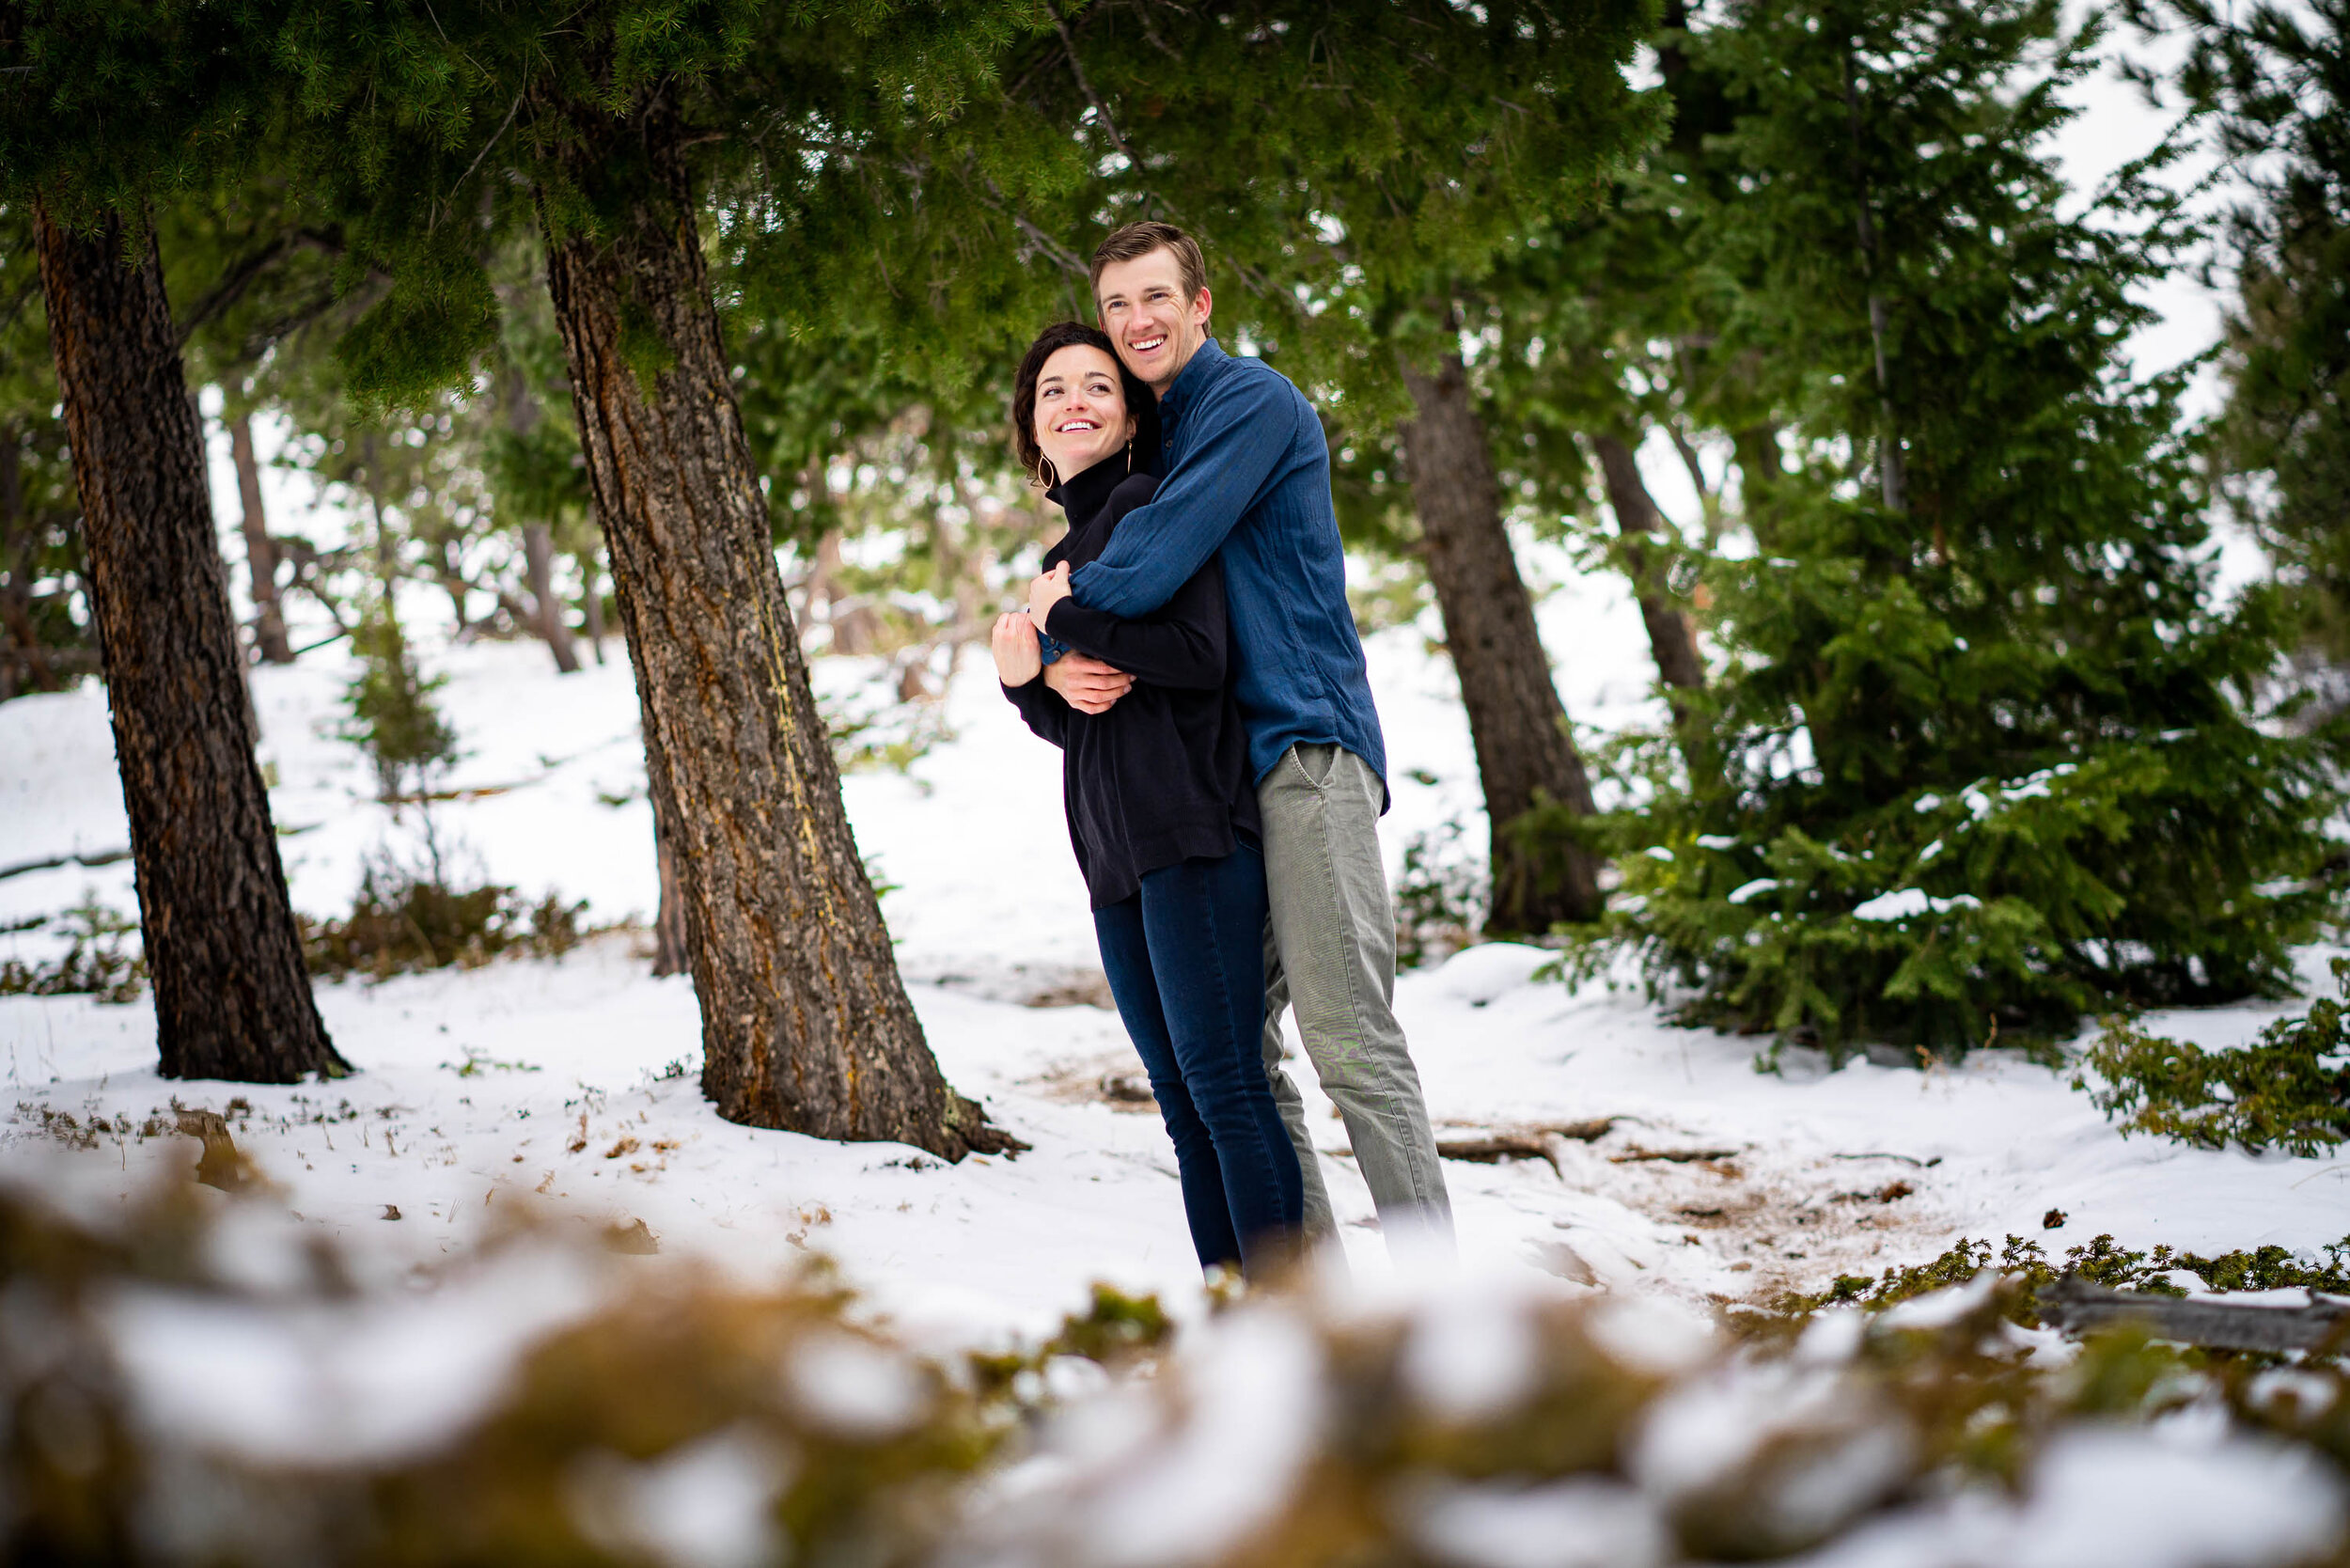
x=1243 y=432
x=1042 y=707
x=1185 y=645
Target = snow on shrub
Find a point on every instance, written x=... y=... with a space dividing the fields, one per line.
x=198 y=1379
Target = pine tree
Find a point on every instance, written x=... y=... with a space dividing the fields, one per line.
x=96 y=101
x=1988 y=762
x=433 y=139
x=2276 y=83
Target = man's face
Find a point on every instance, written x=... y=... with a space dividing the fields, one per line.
x=1144 y=311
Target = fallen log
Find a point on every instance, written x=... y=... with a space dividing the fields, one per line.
x=1524 y=1143
x=1678 y=1156
x=90 y=862
x=2075 y=1306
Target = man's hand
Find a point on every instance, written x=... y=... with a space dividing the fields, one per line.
x=1018 y=660
x=1085 y=684
x=1047 y=591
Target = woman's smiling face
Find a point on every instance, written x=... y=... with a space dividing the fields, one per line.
x=1081 y=415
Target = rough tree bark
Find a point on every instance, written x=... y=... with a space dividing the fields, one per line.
x=1523 y=752
x=805 y=1025
x=232 y=1000
x=1672 y=637
x=260 y=555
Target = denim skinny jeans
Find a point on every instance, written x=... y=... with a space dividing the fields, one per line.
x=1185 y=961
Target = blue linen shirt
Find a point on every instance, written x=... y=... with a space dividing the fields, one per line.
x=1246 y=476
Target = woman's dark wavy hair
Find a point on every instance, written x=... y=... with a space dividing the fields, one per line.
x=1141 y=403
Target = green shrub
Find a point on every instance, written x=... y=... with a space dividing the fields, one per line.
x=1439 y=898
x=2289 y=1089
x=404 y=921
x=96 y=963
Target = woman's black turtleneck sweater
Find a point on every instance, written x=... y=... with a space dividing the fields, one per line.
x=1163 y=777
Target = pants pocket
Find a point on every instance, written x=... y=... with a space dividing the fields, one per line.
x=1314 y=763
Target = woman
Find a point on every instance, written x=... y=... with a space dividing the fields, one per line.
x=1161 y=809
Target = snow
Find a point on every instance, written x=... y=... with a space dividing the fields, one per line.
x=474 y=1088
x=1905 y=903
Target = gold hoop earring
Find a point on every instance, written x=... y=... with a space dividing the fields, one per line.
x=1051 y=474
x=1130 y=454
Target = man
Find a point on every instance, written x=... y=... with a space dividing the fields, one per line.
x=1247 y=474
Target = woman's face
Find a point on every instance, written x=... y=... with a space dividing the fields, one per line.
x=1081 y=413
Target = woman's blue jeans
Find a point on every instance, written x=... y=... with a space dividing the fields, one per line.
x=1185 y=960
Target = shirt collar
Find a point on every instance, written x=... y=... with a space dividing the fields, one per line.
x=1206 y=360
x=1081 y=497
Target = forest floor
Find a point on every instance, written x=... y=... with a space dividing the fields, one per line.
x=567 y=1087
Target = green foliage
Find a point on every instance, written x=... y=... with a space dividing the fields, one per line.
x=392 y=714
x=46 y=640
x=2288 y=1089
x=1986 y=759
x=2024 y=1263
x=2274 y=82
x=97 y=960
x=403 y=922
x=1439 y=897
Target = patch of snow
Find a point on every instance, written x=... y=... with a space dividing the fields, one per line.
x=1582 y=1523
x=1909 y=902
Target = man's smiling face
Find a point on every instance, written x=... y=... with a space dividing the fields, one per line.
x=1144 y=311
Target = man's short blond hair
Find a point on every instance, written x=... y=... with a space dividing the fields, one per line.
x=1137 y=239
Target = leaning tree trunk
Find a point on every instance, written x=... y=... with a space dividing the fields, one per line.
x=260 y=555
x=1672 y=637
x=805 y=1025
x=546 y=608
x=232 y=1000
x=1524 y=755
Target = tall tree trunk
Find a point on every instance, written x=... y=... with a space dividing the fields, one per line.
x=591 y=601
x=260 y=555
x=805 y=1025
x=545 y=617
x=232 y=1000
x=1523 y=752
x=1892 y=471
x=546 y=608
x=669 y=955
x=1671 y=637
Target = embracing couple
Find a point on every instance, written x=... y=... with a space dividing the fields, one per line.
x=1190 y=649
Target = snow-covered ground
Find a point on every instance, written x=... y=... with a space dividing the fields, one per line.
x=568 y=1086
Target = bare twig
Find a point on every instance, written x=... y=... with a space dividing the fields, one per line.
x=1069 y=42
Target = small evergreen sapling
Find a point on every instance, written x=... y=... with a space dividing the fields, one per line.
x=393 y=717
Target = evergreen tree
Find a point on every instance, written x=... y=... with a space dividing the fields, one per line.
x=95 y=102
x=431 y=139
x=2276 y=83
x=1987 y=762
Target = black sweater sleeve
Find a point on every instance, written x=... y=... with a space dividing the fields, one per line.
x=1042 y=707
x=1185 y=644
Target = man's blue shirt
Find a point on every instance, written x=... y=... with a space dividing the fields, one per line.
x=1246 y=472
